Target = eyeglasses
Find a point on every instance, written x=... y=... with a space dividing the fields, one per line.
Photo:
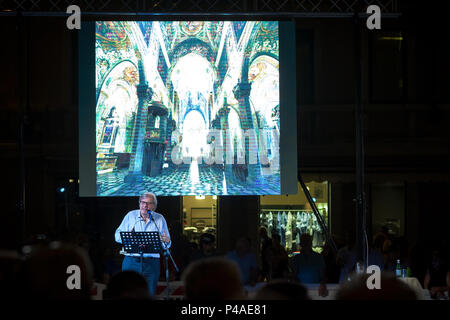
x=146 y=203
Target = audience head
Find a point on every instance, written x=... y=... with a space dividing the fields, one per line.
x=438 y=257
x=242 y=245
x=276 y=239
x=207 y=243
x=127 y=285
x=49 y=270
x=263 y=233
x=349 y=239
x=10 y=264
x=214 y=278
x=306 y=242
x=327 y=250
x=378 y=240
x=282 y=289
x=391 y=289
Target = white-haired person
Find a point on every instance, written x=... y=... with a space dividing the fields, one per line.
x=145 y=219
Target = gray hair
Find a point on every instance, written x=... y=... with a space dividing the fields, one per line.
x=147 y=195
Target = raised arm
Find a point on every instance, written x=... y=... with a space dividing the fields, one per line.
x=165 y=233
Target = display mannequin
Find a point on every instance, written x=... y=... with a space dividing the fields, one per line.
x=289 y=231
x=270 y=224
x=283 y=222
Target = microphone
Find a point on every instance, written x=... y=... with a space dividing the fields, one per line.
x=140 y=219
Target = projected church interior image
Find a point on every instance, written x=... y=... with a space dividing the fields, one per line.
x=187 y=107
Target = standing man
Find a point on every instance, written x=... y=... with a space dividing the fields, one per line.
x=145 y=219
x=309 y=266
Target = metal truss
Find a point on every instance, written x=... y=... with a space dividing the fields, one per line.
x=285 y=7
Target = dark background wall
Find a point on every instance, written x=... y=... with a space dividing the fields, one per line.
x=406 y=114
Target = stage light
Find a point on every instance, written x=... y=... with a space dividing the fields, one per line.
x=215 y=197
x=314 y=199
x=391 y=38
x=27 y=249
x=71 y=180
x=62 y=190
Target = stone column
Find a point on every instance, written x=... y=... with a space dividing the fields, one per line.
x=171 y=125
x=242 y=93
x=144 y=93
x=163 y=130
x=227 y=147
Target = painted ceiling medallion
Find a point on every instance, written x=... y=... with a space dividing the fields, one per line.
x=192 y=28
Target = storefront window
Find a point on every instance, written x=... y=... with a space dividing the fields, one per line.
x=388 y=208
x=199 y=216
x=290 y=216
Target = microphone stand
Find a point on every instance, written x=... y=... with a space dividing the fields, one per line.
x=166 y=256
x=141 y=249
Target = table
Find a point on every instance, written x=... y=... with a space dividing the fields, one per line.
x=413 y=283
x=313 y=289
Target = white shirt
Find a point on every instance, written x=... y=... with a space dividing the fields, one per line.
x=134 y=220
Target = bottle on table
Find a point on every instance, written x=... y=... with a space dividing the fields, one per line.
x=398 y=269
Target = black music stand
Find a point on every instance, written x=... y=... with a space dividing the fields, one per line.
x=141 y=242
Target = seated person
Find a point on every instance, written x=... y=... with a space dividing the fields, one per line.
x=391 y=288
x=437 y=278
x=215 y=278
x=246 y=260
x=281 y=289
x=127 y=285
x=206 y=247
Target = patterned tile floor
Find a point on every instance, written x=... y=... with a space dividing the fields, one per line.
x=186 y=180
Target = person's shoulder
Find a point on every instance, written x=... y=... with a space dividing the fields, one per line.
x=252 y=257
x=231 y=254
x=132 y=213
x=196 y=254
x=343 y=249
x=157 y=214
x=320 y=258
